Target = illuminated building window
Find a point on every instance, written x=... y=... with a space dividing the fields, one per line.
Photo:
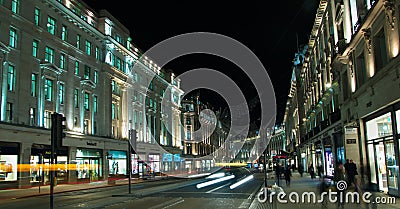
x=76 y=98
x=86 y=101
x=88 y=46
x=11 y=78
x=15 y=4
x=62 y=61
x=61 y=93
x=37 y=16
x=86 y=72
x=34 y=84
x=95 y=105
x=64 y=33
x=49 y=56
x=51 y=25
x=9 y=112
x=76 y=68
x=78 y=41
x=97 y=53
x=13 y=38
x=48 y=89
x=32 y=116
x=96 y=77
x=35 y=45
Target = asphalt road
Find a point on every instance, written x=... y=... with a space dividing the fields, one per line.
x=183 y=193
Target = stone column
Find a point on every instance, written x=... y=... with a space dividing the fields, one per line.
x=72 y=174
x=106 y=166
x=25 y=156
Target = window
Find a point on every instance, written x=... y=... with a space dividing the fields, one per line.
x=47 y=119
x=15 y=4
x=96 y=77
x=88 y=46
x=97 y=53
x=35 y=45
x=11 y=78
x=78 y=41
x=76 y=98
x=62 y=61
x=51 y=25
x=32 y=116
x=86 y=72
x=37 y=16
x=361 y=70
x=113 y=86
x=9 y=112
x=86 y=101
x=113 y=111
x=49 y=57
x=76 y=68
x=64 y=33
x=13 y=38
x=34 y=85
x=95 y=104
x=61 y=93
x=381 y=58
x=48 y=89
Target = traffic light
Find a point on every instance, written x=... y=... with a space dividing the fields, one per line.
x=57 y=129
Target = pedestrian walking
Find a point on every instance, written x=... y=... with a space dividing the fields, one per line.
x=320 y=171
x=339 y=177
x=301 y=170
x=288 y=174
x=351 y=173
x=311 y=171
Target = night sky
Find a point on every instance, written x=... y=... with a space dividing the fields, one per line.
x=272 y=31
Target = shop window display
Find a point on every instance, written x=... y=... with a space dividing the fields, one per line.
x=8 y=167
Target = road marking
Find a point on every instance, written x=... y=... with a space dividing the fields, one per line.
x=169 y=203
x=217 y=188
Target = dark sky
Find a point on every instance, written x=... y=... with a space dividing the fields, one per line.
x=271 y=30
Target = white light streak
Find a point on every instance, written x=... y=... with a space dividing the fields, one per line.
x=248 y=178
x=208 y=183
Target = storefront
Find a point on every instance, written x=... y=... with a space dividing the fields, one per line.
x=8 y=163
x=40 y=161
x=117 y=163
x=154 y=163
x=382 y=139
x=89 y=164
x=167 y=162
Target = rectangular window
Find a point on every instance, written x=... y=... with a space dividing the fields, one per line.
x=97 y=53
x=37 y=16
x=35 y=45
x=13 y=38
x=9 y=112
x=15 y=4
x=96 y=77
x=86 y=72
x=11 y=78
x=64 y=33
x=78 y=41
x=380 y=50
x=47 y=119
x=49 y=57
x=48 y=89
x=94 y=103
x=361 y=71
x=76 y=68
x=76 y=98
x=51 y=25
x=61 y=93
x=32 y=116
x=34 y=85
x=113 y=111
x=88 y=46
x=62 y=61
x=86 y=101
x=113 y=86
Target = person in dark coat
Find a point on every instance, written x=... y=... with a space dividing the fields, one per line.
x=351 y=173
x=320 y=171
x=301 y=170
x=311 y=171
x=288 y=173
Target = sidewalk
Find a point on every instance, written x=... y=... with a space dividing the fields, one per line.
x=303 y=185
x=45 y=190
